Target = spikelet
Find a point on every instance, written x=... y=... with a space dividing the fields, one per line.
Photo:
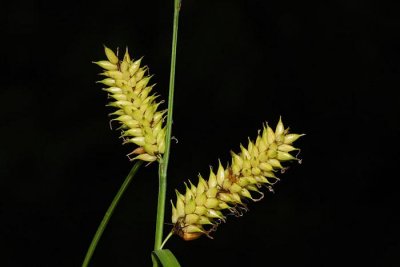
x=203 y=207
x=136 y=109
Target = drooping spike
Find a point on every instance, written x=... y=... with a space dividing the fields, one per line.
x=226 y=190
x=137 y=113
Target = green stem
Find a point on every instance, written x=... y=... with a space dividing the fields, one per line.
x=164 y=161
x=109 y=213
x=166 y=239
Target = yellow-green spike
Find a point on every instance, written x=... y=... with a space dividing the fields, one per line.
x=229 y=188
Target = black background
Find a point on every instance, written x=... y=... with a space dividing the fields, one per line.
x=330 y=68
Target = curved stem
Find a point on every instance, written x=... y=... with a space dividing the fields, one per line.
x=164 y=161
x=109 y=213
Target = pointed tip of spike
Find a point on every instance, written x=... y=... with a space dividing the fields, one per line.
x=177 y=193
x=186 y=186
x=127 y=57
x=280 y=119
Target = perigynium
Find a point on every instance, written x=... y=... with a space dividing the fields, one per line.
x=200 y=210
x=136 y=108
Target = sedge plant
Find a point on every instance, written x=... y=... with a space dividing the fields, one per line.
x=147 y=130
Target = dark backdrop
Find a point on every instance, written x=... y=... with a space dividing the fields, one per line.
x=330 y=68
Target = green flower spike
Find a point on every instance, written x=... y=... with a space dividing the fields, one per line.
x=200 y=210
x=136 y=109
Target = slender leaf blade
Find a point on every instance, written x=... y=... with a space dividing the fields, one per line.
x=166 y=257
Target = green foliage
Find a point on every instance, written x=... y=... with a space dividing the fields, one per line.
x=166 y=258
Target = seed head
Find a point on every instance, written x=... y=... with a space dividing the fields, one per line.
x=136 y=108
x=203 y=207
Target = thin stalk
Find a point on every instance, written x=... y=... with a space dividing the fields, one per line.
x=109 y=213
x=166 y=239
x=164 y=161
